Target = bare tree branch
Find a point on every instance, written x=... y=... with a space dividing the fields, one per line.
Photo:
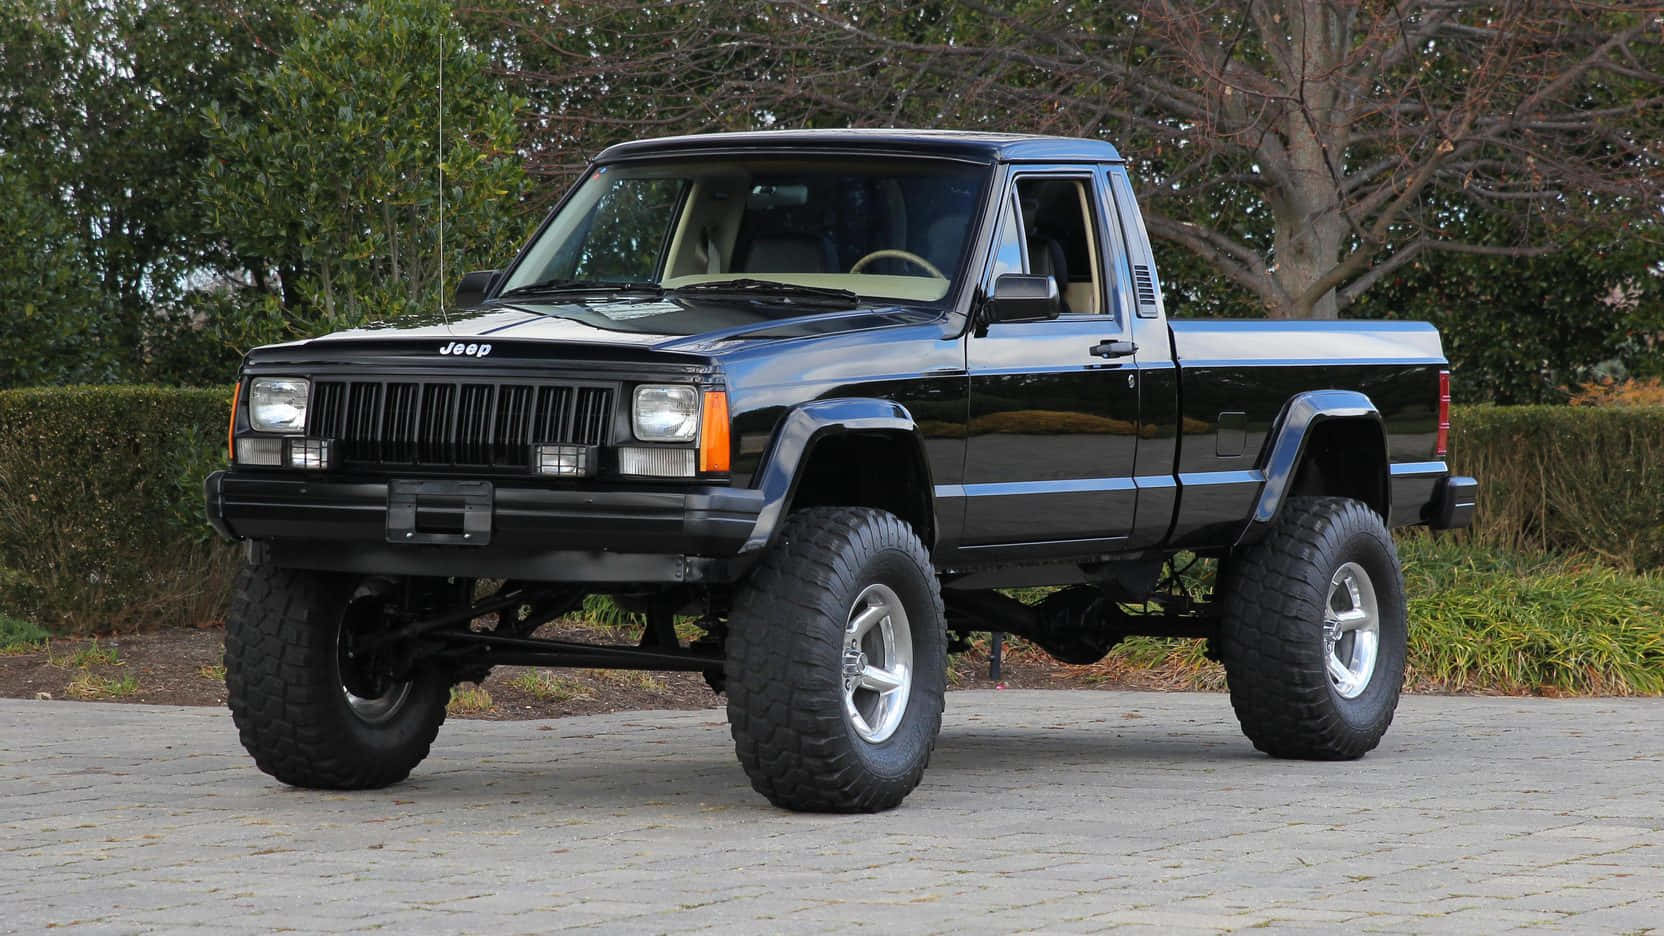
x=1304 y=149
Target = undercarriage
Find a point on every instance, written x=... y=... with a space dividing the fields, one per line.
x=469 y=628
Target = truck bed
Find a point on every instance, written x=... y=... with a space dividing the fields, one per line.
x=1236 y=378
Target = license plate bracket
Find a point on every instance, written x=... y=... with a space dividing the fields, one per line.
x=443 y=513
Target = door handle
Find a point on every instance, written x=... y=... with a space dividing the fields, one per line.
x=1114 y=348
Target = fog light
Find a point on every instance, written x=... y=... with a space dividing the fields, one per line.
x=260 y=452
x=311 y=454
x=656 y=462
x=569 y=461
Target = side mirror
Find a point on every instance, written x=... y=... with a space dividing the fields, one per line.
x=471 y=291
x=1021 y=297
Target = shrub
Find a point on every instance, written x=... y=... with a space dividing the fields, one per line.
x=20 y=636
x=1483 y=620
x=1494 y=621
x=1633 y=391
x=1566 y=479
x=470 y=701
x=101 y=524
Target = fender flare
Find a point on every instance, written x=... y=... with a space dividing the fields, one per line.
x=1304 y=412
x=800 y=430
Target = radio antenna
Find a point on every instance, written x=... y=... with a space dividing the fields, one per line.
x=440 y=295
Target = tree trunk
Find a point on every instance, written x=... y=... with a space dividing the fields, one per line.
x=392 y=231
x=1307 y=154
x=329 y=289
x=1308 y=243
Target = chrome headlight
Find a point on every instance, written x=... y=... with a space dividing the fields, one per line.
x=665 y=414
x=277 y=404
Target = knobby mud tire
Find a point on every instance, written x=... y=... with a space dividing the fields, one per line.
x=784 y=663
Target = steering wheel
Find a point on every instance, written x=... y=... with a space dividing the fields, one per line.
x=893 y=254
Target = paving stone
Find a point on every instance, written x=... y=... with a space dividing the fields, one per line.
x=1042 y=811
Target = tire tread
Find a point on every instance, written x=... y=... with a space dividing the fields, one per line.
x=1278 y=685
x=279 y=646
x=779 y=691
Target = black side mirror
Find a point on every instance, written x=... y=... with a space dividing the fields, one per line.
x=471 y=291
x=1020 y=297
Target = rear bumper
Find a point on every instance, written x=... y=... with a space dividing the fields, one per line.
x=1453 y=503
x=1426 y=492
x=541 y=534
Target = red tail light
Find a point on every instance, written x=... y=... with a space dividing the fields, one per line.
x=1442 y=445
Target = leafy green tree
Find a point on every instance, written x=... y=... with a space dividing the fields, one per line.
x=53 y=329
x=1528 y=330
x=332 y=178
x=101 y=116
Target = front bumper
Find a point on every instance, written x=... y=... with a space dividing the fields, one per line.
x=536 y=533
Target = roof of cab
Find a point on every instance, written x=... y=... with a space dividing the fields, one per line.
x=982 y=147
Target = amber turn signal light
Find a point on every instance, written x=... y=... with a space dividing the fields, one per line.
x=713 y=432
x=231 y=430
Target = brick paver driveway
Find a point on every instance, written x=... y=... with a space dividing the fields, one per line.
x=1046 y=811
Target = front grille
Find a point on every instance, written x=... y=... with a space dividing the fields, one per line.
x=454 y=423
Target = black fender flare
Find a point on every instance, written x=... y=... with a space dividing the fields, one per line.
x=800 y=430
x=1304 y=412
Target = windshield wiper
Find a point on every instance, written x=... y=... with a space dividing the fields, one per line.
x=551 y=286
x=769 y=289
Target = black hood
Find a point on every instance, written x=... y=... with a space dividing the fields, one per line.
x=672 y=323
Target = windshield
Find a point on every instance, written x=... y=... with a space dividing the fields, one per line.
x=885 y=227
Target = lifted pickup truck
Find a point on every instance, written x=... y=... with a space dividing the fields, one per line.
x=825 y=394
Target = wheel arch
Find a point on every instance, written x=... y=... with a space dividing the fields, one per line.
x=1327 y=443
x=813 y=445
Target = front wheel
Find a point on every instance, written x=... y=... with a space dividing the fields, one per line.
x=1314 y=633
x=316 y=703
x=837 y=663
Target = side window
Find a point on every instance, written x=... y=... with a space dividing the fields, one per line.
x=1119 y=273
x=1060 y=239
x=1008 y=253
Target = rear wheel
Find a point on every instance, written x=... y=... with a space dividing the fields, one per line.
x=1314 y=634
x=837 y=663
x=316 y=703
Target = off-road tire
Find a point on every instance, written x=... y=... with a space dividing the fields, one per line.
x=784 y=658
x=285 y=688
x=1271 y=637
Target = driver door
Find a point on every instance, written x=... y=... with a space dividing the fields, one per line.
x=1053 y=424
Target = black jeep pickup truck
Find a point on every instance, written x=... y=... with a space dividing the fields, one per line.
x=824 y=394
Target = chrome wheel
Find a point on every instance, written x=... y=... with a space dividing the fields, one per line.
x=1351 y=630
x=373 y=696
x=377 y=709
x=877 y=663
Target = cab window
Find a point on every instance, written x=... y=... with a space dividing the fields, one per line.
x=1008 y=252
x=1060 y=239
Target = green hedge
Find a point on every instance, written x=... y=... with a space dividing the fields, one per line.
x=1566 y=479
x=101 y=524
x=1492 y=620
x=1484 y=620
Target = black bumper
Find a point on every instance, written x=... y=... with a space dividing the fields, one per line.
x=535 y=533
x=1453 y=504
